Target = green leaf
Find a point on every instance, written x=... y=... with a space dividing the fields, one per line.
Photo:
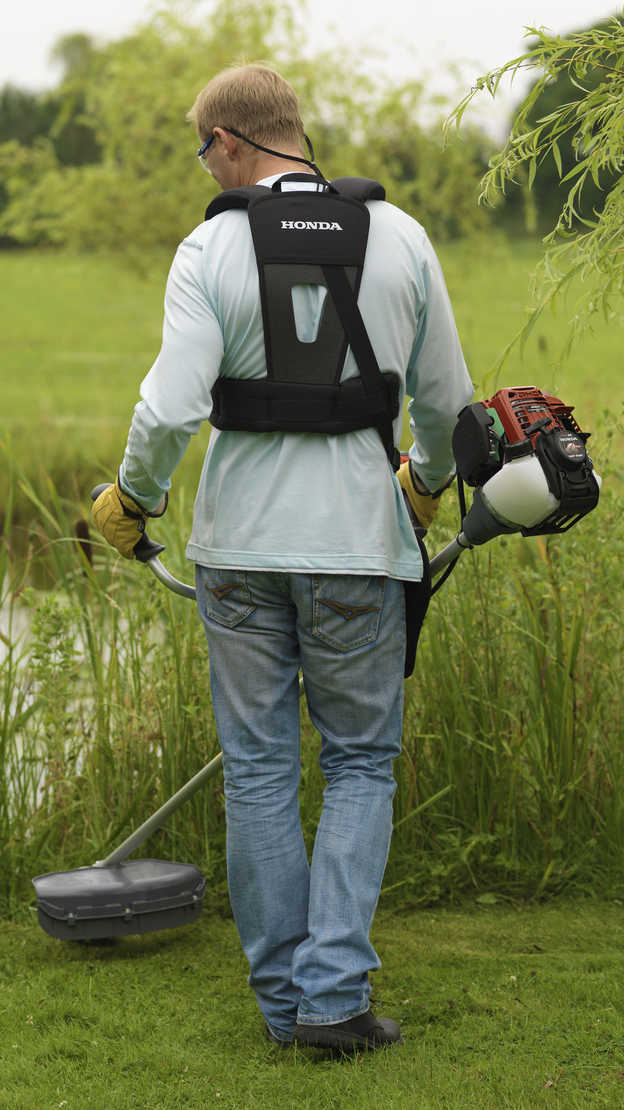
x=532 y=171
x=557 y=156
x=424 y=805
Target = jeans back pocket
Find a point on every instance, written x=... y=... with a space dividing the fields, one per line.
x=225 y=596
x=347 y=609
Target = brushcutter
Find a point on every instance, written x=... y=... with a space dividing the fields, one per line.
x=526 y=459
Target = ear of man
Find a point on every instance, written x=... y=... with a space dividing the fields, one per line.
x=231 y=145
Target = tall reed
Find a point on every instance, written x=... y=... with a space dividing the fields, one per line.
x=511 y=779
x=514 y=722
x=114 y=681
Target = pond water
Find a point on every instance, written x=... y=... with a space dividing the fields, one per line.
x=15 y=621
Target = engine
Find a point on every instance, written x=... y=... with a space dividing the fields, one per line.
x=526 y=457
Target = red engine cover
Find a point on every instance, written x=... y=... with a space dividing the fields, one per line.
x=522 y=407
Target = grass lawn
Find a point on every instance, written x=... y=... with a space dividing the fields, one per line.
x=499 y=1007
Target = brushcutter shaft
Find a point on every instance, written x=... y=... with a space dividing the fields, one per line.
x=452 y=551
x=157 y=819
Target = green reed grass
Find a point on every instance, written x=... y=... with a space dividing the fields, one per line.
x=510 y=782
x=117 y=713
x=511 y=779
x=517 y=707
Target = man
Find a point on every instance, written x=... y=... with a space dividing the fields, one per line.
x=301 y=539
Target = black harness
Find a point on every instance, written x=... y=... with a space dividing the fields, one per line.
x=318 y=238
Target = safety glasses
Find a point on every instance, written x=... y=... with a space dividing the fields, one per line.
x=203 y=150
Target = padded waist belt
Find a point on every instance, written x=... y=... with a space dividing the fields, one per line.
x=265 y=406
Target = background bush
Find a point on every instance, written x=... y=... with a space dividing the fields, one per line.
x=134 y=184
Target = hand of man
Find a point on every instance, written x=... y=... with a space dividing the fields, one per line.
x=120 y=519
x=424 y=504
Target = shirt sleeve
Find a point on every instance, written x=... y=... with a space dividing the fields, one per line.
x=176 y=393
x=437 y=378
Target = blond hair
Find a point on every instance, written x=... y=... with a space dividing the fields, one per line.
x=252 y=99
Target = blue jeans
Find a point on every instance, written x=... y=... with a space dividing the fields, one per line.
x=305 y=927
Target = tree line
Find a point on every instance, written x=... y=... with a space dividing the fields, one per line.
x=106 y=158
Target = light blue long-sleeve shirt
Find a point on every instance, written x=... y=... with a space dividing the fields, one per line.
x=298 y=501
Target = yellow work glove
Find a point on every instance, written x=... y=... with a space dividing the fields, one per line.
x=120 y=519
x=423 y=503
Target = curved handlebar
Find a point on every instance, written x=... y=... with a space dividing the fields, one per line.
x=147 y=551
x=97 y=490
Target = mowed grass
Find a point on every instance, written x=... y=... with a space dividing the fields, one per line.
x=517 y=1008
x=490 y=286
x=80 y=332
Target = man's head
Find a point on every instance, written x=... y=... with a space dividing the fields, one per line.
x=257 y=103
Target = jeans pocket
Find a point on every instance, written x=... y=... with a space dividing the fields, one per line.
x=226 y=596
x=346 y=610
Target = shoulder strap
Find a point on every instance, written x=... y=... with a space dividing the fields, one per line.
x=235 y=198
x=359 y=188
x=355 y=329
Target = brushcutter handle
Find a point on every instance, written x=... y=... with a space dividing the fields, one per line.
x=97 y=490
x=145 y=549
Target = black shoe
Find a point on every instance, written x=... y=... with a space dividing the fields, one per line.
x=362 y=1032
x=276 y=1040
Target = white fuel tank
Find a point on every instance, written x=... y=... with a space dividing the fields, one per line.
x=518 y=493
